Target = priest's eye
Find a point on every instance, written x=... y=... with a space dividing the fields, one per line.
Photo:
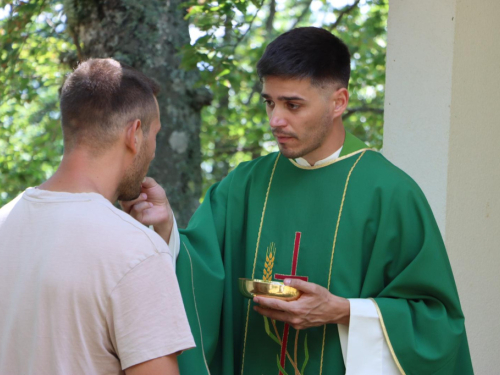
x=293 y=106
x=268 y=102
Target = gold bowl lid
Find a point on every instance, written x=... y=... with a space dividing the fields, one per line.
x=272 y=289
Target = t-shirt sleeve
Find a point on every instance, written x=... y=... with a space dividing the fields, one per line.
x=146 y=316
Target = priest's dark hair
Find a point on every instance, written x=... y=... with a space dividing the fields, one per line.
x=100 y=98
x=307 y=52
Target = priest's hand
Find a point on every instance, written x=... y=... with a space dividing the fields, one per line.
x=315 y=307
x=152 y=208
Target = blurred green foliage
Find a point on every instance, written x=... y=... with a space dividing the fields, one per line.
x=33 y=45
x=234 y=35
x=36 y=52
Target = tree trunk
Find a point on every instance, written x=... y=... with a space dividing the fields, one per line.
x=148 y=36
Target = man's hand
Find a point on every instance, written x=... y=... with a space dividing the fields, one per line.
x=315 y=307
x=152 y=208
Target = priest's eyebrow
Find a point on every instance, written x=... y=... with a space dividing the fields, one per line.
x=282 y=98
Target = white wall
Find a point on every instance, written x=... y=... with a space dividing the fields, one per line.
x=442 y=126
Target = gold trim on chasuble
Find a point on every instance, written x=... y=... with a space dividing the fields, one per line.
x=333 y=250
x=196 y=309
x=333 y=247
x=255 y=260
x=387 y=339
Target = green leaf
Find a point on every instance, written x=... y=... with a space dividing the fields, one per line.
x=223 y=73
x=279 y=365
x=268 y=331
x=306 y=359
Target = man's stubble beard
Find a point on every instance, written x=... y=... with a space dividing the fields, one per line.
x=130 y=187
x=315 y=142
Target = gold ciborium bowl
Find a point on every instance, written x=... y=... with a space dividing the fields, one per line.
x=272 y=289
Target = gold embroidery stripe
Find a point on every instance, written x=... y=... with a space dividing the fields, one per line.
x=386 y=335
x=196 y=309
x=331 y=162
x=255 y=259
x=333 y=249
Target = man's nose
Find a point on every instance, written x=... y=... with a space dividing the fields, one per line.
x=277 y=119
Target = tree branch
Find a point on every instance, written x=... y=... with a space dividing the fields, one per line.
x=239 y=40
x=255 y=88
x=77 y=44
x=229 y=150
x=342 y=13
x=302 y=15
x=270 y=19
x=352 y=111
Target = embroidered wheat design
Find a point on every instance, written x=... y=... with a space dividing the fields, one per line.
x=268 y=266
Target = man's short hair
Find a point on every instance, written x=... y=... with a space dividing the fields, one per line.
x=100 y=97
x=307 y=52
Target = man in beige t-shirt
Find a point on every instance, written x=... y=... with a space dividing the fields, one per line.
x=84 y=287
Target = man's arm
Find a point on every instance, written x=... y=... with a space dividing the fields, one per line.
x=159 y=366
x=145 y=313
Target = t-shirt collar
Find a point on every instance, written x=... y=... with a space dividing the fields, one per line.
x=40 y=195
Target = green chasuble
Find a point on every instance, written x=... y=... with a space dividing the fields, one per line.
x=366 y=231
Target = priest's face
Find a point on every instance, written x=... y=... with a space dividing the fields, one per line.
x=302 y=117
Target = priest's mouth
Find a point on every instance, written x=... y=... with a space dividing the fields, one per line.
x=281 y=138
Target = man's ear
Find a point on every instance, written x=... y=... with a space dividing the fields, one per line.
x=133 y=136
x=341 y=98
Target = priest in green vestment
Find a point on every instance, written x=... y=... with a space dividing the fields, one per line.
x=332 y=218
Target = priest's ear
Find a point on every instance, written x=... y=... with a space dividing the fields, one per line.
x=340 y=100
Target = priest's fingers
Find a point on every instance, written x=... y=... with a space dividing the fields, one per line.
x=282 y=316
x=272 y=303
x=302 y=285
x=296 y=322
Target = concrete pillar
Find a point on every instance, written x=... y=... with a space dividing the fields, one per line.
x=442 y=126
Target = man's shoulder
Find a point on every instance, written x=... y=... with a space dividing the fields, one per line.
x=124 y=229
x=7 y=208
x=12 y=210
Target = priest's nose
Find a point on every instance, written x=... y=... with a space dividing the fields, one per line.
x=277 y=120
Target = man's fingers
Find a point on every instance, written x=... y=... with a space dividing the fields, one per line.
x=127 y=206
x=149 y=183
x=156 y=194
x=302 y=285
x=138 y=209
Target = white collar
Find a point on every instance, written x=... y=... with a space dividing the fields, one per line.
x=304 y=163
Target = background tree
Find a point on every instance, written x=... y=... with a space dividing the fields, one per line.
x=41 y=40
x=147 y=35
